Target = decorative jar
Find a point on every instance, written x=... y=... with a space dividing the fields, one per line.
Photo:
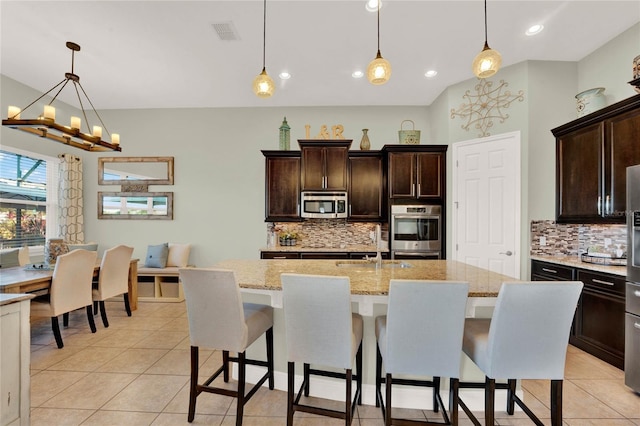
x=590 y=100
x=365 y=144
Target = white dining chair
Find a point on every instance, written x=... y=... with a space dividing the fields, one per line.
x=421 y=337
x=218 y=319
x=70 y=290
x=526 y=338
x=113 y=279
x=321 y=330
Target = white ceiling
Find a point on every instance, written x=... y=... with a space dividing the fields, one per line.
x=166 y=54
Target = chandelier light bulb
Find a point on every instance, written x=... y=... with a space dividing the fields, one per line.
x=379 y=70
x=487 y=62
x=263 y=85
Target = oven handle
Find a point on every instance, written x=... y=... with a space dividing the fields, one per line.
x=417 y=253
x=413 y=216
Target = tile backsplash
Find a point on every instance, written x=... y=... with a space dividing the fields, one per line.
x=573 y=239
x=329 y=233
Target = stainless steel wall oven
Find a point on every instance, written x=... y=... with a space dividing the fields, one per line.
x=416 y=232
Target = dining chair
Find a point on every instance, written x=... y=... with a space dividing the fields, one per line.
x=421 y=336
x=70 y=290
x=321 y=329
x=526 y=338
x=218 y=319
x=113 y=279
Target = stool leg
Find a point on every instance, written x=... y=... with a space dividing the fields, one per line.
x=307 y=376
x=556 y=402
x=489 y=401
x=359 y=373
x=511 y=391
x=454 y=390
x=436 y=392
x=347 y=408
x=378 y=375
x=290 y=392
x=225 y=365
x=387 y=403
x=270 y=357
x=241 y=382
x=193 y=391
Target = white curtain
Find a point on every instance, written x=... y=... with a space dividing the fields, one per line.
x=71 y=209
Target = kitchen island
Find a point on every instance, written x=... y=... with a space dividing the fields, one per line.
x=260 y=280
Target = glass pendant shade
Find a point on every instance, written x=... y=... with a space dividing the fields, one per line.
x=379 y=70
x=263 y=85
x=487 y=62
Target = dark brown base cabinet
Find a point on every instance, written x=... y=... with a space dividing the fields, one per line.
x=598 y=325
x=319 y=255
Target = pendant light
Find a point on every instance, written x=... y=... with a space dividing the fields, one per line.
x=379 y=70
x=263 y=85
x=487 y=62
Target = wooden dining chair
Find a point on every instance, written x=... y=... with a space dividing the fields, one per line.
x=113 y=279
x=70 y=290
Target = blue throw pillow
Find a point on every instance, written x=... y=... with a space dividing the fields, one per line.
x=157 y=256
x=9 y=258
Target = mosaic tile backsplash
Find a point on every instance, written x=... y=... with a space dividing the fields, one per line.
x=570 y=239
x=329 y=233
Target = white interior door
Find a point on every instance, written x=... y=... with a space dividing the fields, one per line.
x=486 y=207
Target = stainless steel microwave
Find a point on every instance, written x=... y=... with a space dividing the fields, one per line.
x=324 y=205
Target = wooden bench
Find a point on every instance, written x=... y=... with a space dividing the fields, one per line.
x=159 y=285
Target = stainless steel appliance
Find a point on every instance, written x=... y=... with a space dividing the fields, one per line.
x=632 y=316
x=324 y=205
x=416 y=232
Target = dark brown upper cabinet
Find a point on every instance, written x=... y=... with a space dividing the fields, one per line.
x=282 y=186
x=416 y=172
x=592 y=154
x=366 y=186
x=324 y=164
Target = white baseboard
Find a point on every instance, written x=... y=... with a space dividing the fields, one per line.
x=403 y=396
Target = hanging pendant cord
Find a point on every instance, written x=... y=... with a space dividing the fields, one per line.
x=264 y=35
x=485 y=21
x=378 y=26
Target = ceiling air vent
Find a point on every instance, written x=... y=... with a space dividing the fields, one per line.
x=226 y=31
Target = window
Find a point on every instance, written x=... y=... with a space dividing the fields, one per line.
x=28 y=198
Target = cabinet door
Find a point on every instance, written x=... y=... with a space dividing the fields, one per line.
x=313 y=168
x=402 y=171
x=10 y=366
x=430 y=175
x=365 y=188
x=623 y=149
x=336 y=168
x=282 y=188
x=579 y=175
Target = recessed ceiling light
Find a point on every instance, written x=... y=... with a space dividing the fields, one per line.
x=372 y=5
x=534 y=29
x=431 y=73
x=357 y=74
x=284 y=75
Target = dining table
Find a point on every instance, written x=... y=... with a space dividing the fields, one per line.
x=34 y=279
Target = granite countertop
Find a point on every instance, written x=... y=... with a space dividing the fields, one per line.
x=365 y=279
x=8 y=298
x=575 y=262
x=346 y=249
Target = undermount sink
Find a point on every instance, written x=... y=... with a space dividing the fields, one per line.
x=368 y=264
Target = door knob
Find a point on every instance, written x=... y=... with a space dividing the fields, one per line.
x=508 y=252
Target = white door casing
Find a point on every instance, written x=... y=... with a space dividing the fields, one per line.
x=486 y=203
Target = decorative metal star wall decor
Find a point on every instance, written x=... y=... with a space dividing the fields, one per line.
x=485 y=106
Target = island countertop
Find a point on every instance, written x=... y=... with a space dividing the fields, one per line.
x=265 y=274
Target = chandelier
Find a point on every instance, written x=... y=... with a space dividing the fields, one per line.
x=45 y=125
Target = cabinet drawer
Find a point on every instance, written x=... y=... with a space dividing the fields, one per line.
x=603 y=282
x=552 y=271
x=279 y=255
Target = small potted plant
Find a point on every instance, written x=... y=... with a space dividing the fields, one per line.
x=288 y=238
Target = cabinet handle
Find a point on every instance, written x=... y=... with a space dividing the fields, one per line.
x=601 y=282
x=419 y=191
x=413 y=189
x=636 y=293
x=553 y=271
x=636 y=325
x=279 y=257
x=607 y=206
x=599 y=205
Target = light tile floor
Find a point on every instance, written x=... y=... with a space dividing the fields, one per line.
x=136 y=372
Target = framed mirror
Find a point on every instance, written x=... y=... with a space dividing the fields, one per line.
x=135 y=171
x=135 y=205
